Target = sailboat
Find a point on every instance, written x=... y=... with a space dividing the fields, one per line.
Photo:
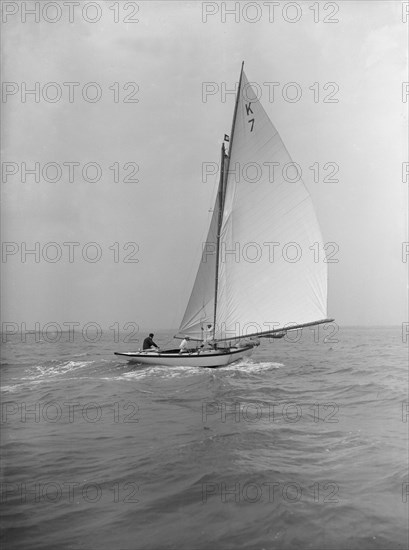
x=257 y=276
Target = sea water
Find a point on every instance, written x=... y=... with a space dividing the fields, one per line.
x=304 y=445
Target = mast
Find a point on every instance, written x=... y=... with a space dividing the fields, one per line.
x=220 y=199
x=224 y=172
x=234 y=120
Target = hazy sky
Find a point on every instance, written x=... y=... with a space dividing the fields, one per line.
x=165 y=61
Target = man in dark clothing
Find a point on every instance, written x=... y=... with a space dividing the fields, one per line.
x=148 y=343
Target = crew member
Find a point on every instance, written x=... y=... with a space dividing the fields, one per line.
x=183 y=344
x=207 y=338
x=148 y=343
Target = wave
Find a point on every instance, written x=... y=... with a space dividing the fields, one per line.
x=245 y=366
x=10 y=389
x=162 y=372
x=43 y=371
x=251 y=366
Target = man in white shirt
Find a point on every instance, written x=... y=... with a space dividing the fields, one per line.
x=183 y=344
x=207 y=336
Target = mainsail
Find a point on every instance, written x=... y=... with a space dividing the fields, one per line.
x=266 y=273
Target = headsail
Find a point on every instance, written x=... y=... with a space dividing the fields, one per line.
x=267 y=274
x=200 y=308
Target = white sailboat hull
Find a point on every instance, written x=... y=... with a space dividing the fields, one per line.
x=212 y=358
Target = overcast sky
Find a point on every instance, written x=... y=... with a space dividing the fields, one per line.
x=165 y=61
